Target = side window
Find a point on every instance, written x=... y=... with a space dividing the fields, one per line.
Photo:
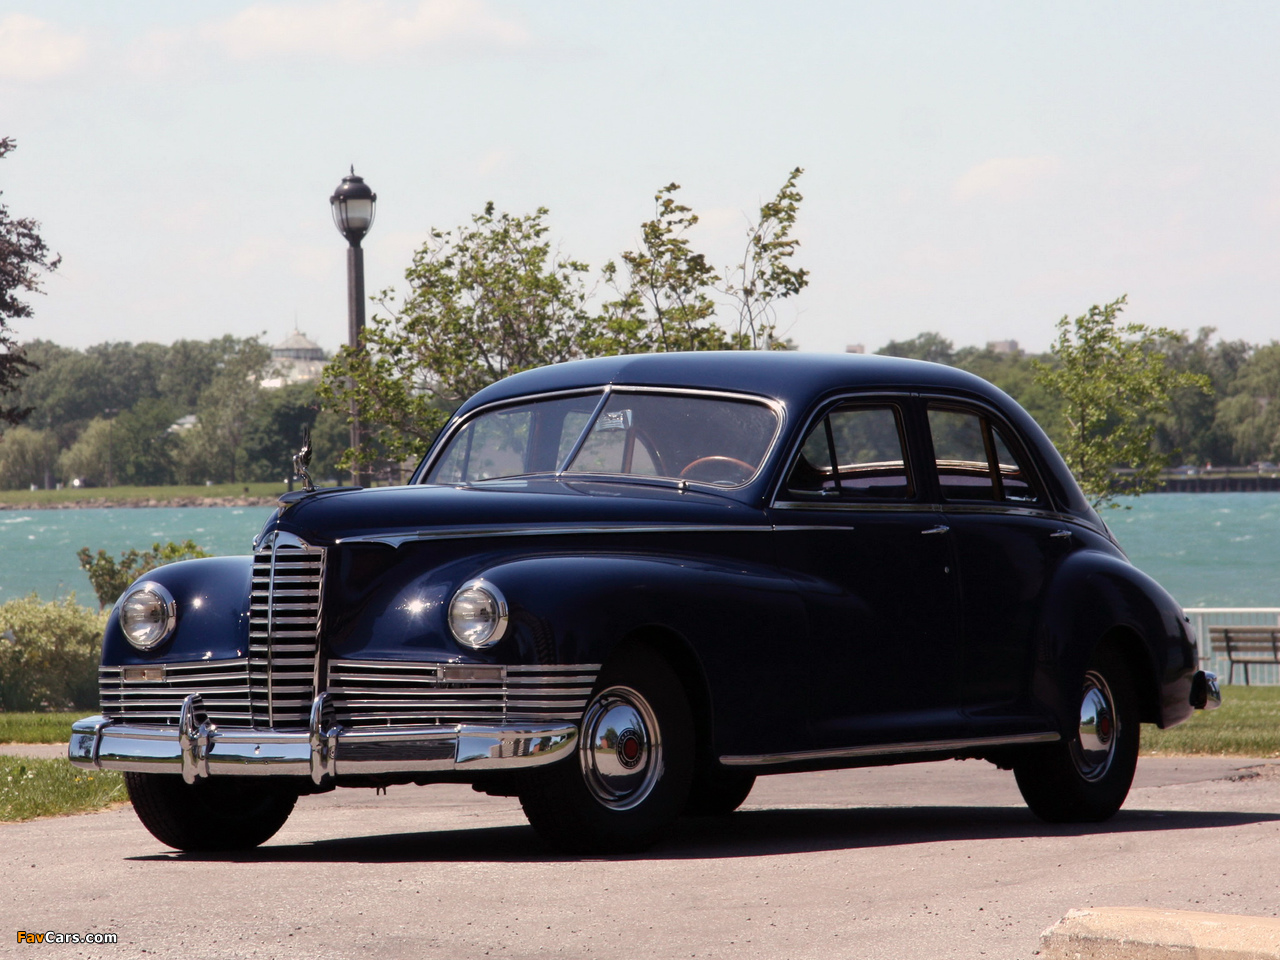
x=855 y=452
x=1014 y=479
x=975 y=461
x=964 y=467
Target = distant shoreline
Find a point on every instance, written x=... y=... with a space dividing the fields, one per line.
x=91 y=503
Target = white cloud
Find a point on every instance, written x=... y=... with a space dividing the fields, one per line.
x=158 y=51
x=1004 y=178
x=362 y=30
x=34 y=49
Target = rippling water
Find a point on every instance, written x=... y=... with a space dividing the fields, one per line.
x=38 y=547
x=1218 y=549
x=1207 y=549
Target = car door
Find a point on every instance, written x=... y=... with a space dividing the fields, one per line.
x=1008 y=543
x=873 y=561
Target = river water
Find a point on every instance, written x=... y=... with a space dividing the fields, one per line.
x=1211 y=549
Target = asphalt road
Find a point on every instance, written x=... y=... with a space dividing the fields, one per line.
x=921 y=861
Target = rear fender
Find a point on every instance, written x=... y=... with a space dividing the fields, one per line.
x=1099 y=597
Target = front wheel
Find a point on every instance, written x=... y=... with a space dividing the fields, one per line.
x=219 y=814
x=634 y=764
x=1086 y=777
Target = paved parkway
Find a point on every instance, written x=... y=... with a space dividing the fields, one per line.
x=923 y=861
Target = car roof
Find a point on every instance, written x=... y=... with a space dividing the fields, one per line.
x=796 y=379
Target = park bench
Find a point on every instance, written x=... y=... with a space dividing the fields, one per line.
x=1245 y=646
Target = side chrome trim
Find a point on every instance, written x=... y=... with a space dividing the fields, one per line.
x=885 y=750
x=465 y=533
x=859 y=506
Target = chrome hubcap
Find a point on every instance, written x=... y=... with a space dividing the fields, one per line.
x=620 y=749
x=1095 y=744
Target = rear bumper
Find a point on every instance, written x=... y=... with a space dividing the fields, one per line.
x=196 y=748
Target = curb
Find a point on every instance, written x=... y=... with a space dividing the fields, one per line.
x=1137 y=933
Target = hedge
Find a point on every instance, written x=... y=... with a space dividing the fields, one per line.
x=49 y=654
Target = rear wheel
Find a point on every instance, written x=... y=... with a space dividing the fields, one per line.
x=222 y=813
x=634 y=764
x=1086 y=777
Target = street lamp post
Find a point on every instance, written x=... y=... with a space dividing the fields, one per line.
x=353 y=205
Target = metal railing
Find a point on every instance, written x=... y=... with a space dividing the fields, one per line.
x=1202 y=618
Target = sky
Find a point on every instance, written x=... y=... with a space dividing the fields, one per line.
x=976 y=169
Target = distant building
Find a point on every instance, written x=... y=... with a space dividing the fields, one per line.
x=855 y=348
x=1002 y=346
x=182 y=424
x=295 y=359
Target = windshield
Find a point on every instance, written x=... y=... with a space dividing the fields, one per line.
x=677 y=436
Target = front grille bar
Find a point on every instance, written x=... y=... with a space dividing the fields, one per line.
x=284 y=630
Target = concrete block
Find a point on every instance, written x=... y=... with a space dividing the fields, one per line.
x=1138 y=933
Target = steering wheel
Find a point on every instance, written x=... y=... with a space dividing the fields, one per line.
x=718 y=461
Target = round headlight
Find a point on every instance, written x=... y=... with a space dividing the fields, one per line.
x=478 y=614
x=147 y=614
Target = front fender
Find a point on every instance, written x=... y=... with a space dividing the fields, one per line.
x=742 y=625
x=1097 y=594
x=212 y=597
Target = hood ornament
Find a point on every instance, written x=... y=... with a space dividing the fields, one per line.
x=302 y=460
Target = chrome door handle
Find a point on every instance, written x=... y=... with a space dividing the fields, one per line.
x=940 y=528
x=1061 y=535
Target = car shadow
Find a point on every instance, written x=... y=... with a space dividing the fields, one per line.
x=747 y=833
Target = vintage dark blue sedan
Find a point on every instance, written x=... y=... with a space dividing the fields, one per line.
x=621 y=589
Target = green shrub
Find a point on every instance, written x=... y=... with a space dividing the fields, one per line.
x=111 y=577
x=49 y=654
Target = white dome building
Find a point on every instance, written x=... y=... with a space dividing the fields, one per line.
x=295 y=359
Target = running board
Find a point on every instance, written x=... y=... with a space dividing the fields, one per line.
x=887 y=749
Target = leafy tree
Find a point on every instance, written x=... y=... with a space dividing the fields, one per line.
x=27 y=457
x=90 y=458
x=142 y=448
x=1191 y=428
x=191 y=366
x=1250 y=417
x=664 y=289
x=23 y=256
x=1015 y=374
x=765 y=274
x=110 y=577
x=484 y=303
x=933 y=347
x=213 y=450
x=1112 y=380
x=276 y=428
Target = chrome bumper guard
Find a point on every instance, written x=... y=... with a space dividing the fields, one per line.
x=1205 y=692
x=197 y=748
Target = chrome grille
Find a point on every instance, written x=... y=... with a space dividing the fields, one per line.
x=284 y=630
x=154 y=693
x=370 y=693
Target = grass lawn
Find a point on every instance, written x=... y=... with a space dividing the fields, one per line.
x=49 y=498
x=39 y=727
x=1246 y=725
x=48 y=788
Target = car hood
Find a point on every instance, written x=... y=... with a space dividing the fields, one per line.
x=327 y=517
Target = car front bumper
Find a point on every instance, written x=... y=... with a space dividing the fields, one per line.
x=197 y=748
